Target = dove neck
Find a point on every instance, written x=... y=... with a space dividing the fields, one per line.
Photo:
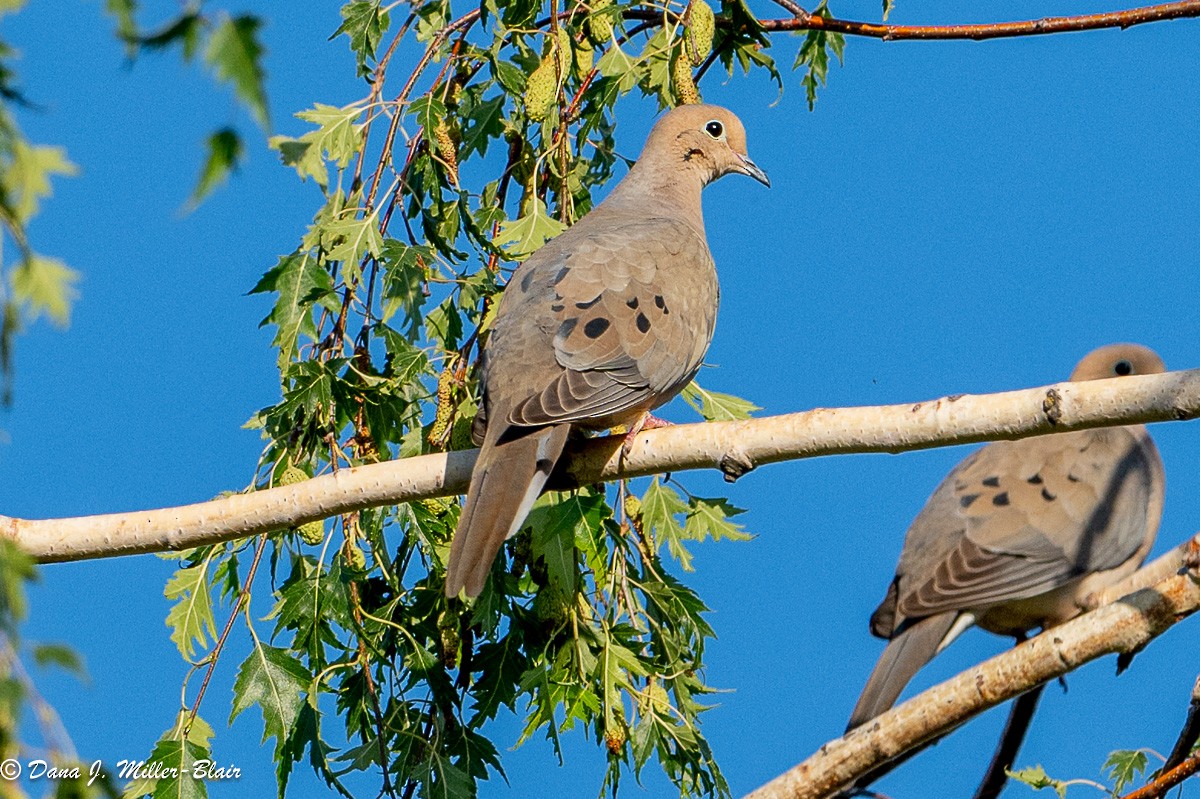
x=654 y=191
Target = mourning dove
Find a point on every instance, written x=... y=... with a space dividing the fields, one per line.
x=1018 y=535
x=604 y=323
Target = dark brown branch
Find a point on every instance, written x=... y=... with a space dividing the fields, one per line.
x=1189 y=734
x=805 y=21
x=1019 y=718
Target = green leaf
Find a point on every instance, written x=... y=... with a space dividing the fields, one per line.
x=26 y=179
x=485 y=122
x=814 y=54
x=16 y=569
x=444 y=325
x=660 y=506
x=235 y=55
x=349 y=238
x=310 y=601
x=307 y=734
x=557 y=522
x=709 y=518
x=174 y=756
x=191 y=617
x=404 y=270
x=618 y=65
x=1035 y=777
x=522 y=237
x=60 y=655
x=429 y=111
x=499 y=666
x=185 y=29
x=43 y=285
x=301 y=283
x=336 y=139
x=440 y=779
x=1125 y=766
x=275 y=681
x=363 y=23
x=123 y=12
x=224 y=155
x=715 y=406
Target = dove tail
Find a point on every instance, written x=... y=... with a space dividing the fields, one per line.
x=901 y=659
x=508 y=477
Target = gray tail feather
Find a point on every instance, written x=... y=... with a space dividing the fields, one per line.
x=508 y=477
x=901 y=659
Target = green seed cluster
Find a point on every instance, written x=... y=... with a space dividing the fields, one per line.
x=698 y=40
x=311 y=533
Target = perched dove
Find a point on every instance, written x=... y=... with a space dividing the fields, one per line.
x=604 y=323
x=1018 y=534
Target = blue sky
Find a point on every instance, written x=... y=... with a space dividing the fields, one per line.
x=953 y=217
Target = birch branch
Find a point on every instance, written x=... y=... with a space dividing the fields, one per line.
x=733 y=447
x=1125 y=626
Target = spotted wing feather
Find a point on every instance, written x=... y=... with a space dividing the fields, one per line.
x=1019 y=519
x=621 y=318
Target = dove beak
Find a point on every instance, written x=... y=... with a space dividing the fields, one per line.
x=748 y=167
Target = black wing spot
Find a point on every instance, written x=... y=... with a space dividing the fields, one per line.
x=527 y=281
x=992 y=482
x=1046 y=495
x=561 y=274
x=643 y=324
x=1072 y=477
x=632 y=302
x=967 y=499
x=1036 y=480
x=661 y=303
x=583 y=306
x=556 y=307
x=1001 y=499
x=595 y=327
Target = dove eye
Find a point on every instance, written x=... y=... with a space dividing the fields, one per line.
x=715 y=129
x=1123 y=368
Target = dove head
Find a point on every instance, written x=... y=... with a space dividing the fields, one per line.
x=1118 y=360
x=700 y=142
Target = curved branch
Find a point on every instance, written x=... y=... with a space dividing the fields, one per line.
x=995 y=30
x=1121 y=627
x=733 y=447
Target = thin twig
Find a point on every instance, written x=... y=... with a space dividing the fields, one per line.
x=243 y=597
x=376 y=89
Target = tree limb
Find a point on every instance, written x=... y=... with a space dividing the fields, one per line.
x=1121 y=627
x=805 y=21
x=733 y=447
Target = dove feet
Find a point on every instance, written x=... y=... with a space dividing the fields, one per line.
x=648 y=422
